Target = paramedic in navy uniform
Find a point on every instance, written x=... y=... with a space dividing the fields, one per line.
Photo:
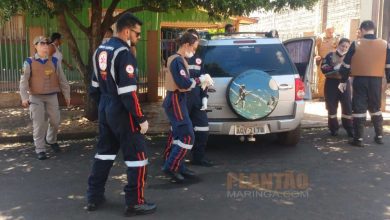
x=178 y=84
x=122 y=124
x=197 y=106
x=330 y=66
x=367 y=60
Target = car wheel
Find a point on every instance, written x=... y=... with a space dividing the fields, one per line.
x=290 y=138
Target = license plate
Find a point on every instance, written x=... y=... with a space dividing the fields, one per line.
x=242 y=130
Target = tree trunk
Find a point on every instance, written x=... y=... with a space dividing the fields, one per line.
x=65 y=30
x=95 y=35
x=94 y=38
x=90 y=107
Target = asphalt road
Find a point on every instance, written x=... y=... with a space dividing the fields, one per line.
x=322 y=178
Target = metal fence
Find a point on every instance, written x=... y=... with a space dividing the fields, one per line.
x=168 y=47
x=10 y=77
x=13 y=53
x=14 y=49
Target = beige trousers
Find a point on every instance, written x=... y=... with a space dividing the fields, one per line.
x=384 y=86
x=320 y=83
x=45 y=115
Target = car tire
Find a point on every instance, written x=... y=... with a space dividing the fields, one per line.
x=290 y=138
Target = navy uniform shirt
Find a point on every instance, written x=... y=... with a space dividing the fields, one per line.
x=345 y=68
x=115 y=73
x=195 y=67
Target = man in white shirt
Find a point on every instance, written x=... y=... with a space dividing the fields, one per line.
x=55 y=50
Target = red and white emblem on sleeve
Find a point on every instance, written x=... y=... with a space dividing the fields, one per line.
x=183 y=73
x=198 y=61
x=103 y=60
x=130 y=71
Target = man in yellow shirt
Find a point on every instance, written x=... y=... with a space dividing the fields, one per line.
x=325 y=44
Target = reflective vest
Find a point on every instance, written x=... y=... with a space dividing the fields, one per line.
x=44 y=78
x=170 y=84
x=369 y=58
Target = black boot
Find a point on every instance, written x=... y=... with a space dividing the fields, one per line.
x=356 y=142
x=94 y=205
x=379 y=139
x=188 y=173
x=377 y=121
x=140 y=209
x=203 y=163
x=350 y=133
x=42 y=156
x=175 y=176
x=56 y=147
x=358 y=131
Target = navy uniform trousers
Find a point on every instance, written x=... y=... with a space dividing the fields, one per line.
x=200 y=123
x=366 y=96
x=182 y=134
x=117 y=131
x=200 y=126
x=333 y=96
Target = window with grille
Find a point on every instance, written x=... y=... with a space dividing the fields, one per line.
x=14 y=29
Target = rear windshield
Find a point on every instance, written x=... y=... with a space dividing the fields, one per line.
x=229 y=61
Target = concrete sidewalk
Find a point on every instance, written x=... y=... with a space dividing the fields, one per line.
x=16 y=126
x=316 y=114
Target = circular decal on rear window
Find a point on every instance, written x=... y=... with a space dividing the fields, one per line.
x=253 y=94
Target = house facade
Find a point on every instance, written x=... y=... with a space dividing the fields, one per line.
x=344 y=15
x=17 y=34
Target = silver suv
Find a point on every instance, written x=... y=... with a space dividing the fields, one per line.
x=259 y=84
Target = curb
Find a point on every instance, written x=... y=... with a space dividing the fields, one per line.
x=93 y=134
x=61 y=136
x=322 y=124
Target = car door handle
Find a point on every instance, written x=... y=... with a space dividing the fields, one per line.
x=211 y=90
x=285 y=86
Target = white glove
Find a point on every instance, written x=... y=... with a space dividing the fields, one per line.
x=204 y=103
x=205 y=81
x=342 y=87
x=144 y=127
x=337 y=67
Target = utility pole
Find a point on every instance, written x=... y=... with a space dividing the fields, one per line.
x=324 y=15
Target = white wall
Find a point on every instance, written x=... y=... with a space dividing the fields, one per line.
x=366 y=10
x=291 y=23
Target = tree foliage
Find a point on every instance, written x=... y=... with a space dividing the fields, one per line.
x=224 y=8
x=94 y=31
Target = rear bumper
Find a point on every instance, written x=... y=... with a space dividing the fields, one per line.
x=275 y=125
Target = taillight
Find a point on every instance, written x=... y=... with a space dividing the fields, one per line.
x=299 y=89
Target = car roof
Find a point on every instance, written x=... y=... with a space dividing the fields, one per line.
x=238 y=40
